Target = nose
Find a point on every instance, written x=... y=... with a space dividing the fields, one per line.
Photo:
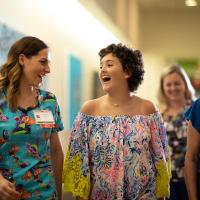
x=47 y=69
x=103 y=68
x=173 y=87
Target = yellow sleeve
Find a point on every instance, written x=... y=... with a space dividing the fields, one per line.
x=160 y=156
x=76 y=170
x=74 y=181
x=162 y=179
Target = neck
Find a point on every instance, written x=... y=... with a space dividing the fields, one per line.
x=26 y=90
x=118 y=99
x=176 y=106
x=27 y=96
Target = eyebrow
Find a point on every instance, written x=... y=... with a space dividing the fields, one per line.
x=107 y=61
x=44 y=59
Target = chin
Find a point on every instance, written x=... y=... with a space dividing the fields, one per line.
x=106 y=89
x=37 y=85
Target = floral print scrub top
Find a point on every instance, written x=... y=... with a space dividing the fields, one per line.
x=176 y=128
x=24 y=148
x=116 y=158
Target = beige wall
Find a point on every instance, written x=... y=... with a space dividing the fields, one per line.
x=64 y=29
x=171 y=34
x=59 y=26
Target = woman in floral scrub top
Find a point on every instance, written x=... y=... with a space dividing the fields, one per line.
x=176 y=92
x=118 y=147
x=29 y=149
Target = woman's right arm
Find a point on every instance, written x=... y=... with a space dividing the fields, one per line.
x=191 y=158
x=7 y=190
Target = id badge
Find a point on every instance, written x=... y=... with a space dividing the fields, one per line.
x=44 y=117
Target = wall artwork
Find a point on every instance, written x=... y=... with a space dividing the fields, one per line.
x=75 y=90
x=192 y=68
x=97 y=88
x=8 y=36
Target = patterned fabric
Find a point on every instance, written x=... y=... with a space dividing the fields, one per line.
x=115 y=158
x=176 y=128
x=24 y=148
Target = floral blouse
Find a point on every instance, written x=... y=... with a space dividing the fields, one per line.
x=24 y=148
x=116 y=158
x=176 y=128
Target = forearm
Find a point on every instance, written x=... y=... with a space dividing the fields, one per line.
x=57 y=162
x=190 y=173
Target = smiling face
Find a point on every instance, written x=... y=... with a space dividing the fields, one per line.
x=35 y=67
x=174 y=87
x=112 y=75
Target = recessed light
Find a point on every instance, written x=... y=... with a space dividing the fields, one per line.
x=190 y=3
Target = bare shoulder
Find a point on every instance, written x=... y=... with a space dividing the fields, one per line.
x=90 y=106
x=147 y=107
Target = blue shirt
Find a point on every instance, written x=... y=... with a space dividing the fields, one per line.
x=25 y=148
x=193 y=115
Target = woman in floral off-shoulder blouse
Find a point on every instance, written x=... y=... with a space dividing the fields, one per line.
x=118 y=146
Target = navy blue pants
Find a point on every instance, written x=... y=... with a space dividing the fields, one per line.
x=178 y=190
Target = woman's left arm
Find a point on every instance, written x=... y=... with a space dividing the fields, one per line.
x=160 y=155
x=57 y=162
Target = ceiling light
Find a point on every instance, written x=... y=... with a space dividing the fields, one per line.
x=190 y=3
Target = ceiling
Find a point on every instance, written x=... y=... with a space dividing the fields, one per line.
x=167 y=5
x=151 y=5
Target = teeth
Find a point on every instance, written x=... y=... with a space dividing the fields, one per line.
x=105 y=76
x=42 y=75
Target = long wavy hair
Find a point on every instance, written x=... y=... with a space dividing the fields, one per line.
x=189 y=92
x=11 y=70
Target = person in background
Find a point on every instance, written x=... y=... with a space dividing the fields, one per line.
x=118 y=144
x=175 y=95
x=31 y=157
x=192 y=159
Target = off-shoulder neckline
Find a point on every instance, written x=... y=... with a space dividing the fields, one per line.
x=157 y=113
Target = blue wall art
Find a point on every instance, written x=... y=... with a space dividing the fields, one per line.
x=75 y=84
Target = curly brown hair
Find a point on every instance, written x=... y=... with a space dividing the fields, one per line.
x=11 y=70
x=131 y=61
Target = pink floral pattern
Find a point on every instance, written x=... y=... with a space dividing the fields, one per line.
x=121 y=155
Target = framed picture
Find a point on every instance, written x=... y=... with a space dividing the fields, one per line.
x=75 y=90
x=192 y=68
x=8 y=36
x=97 y=88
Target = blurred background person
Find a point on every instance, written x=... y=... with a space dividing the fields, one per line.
x=175 y=95
x=192 y=159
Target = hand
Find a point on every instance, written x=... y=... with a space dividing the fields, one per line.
x=7 y=190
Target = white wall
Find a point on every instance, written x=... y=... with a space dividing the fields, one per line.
x=67 y=28
x=153 y=68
